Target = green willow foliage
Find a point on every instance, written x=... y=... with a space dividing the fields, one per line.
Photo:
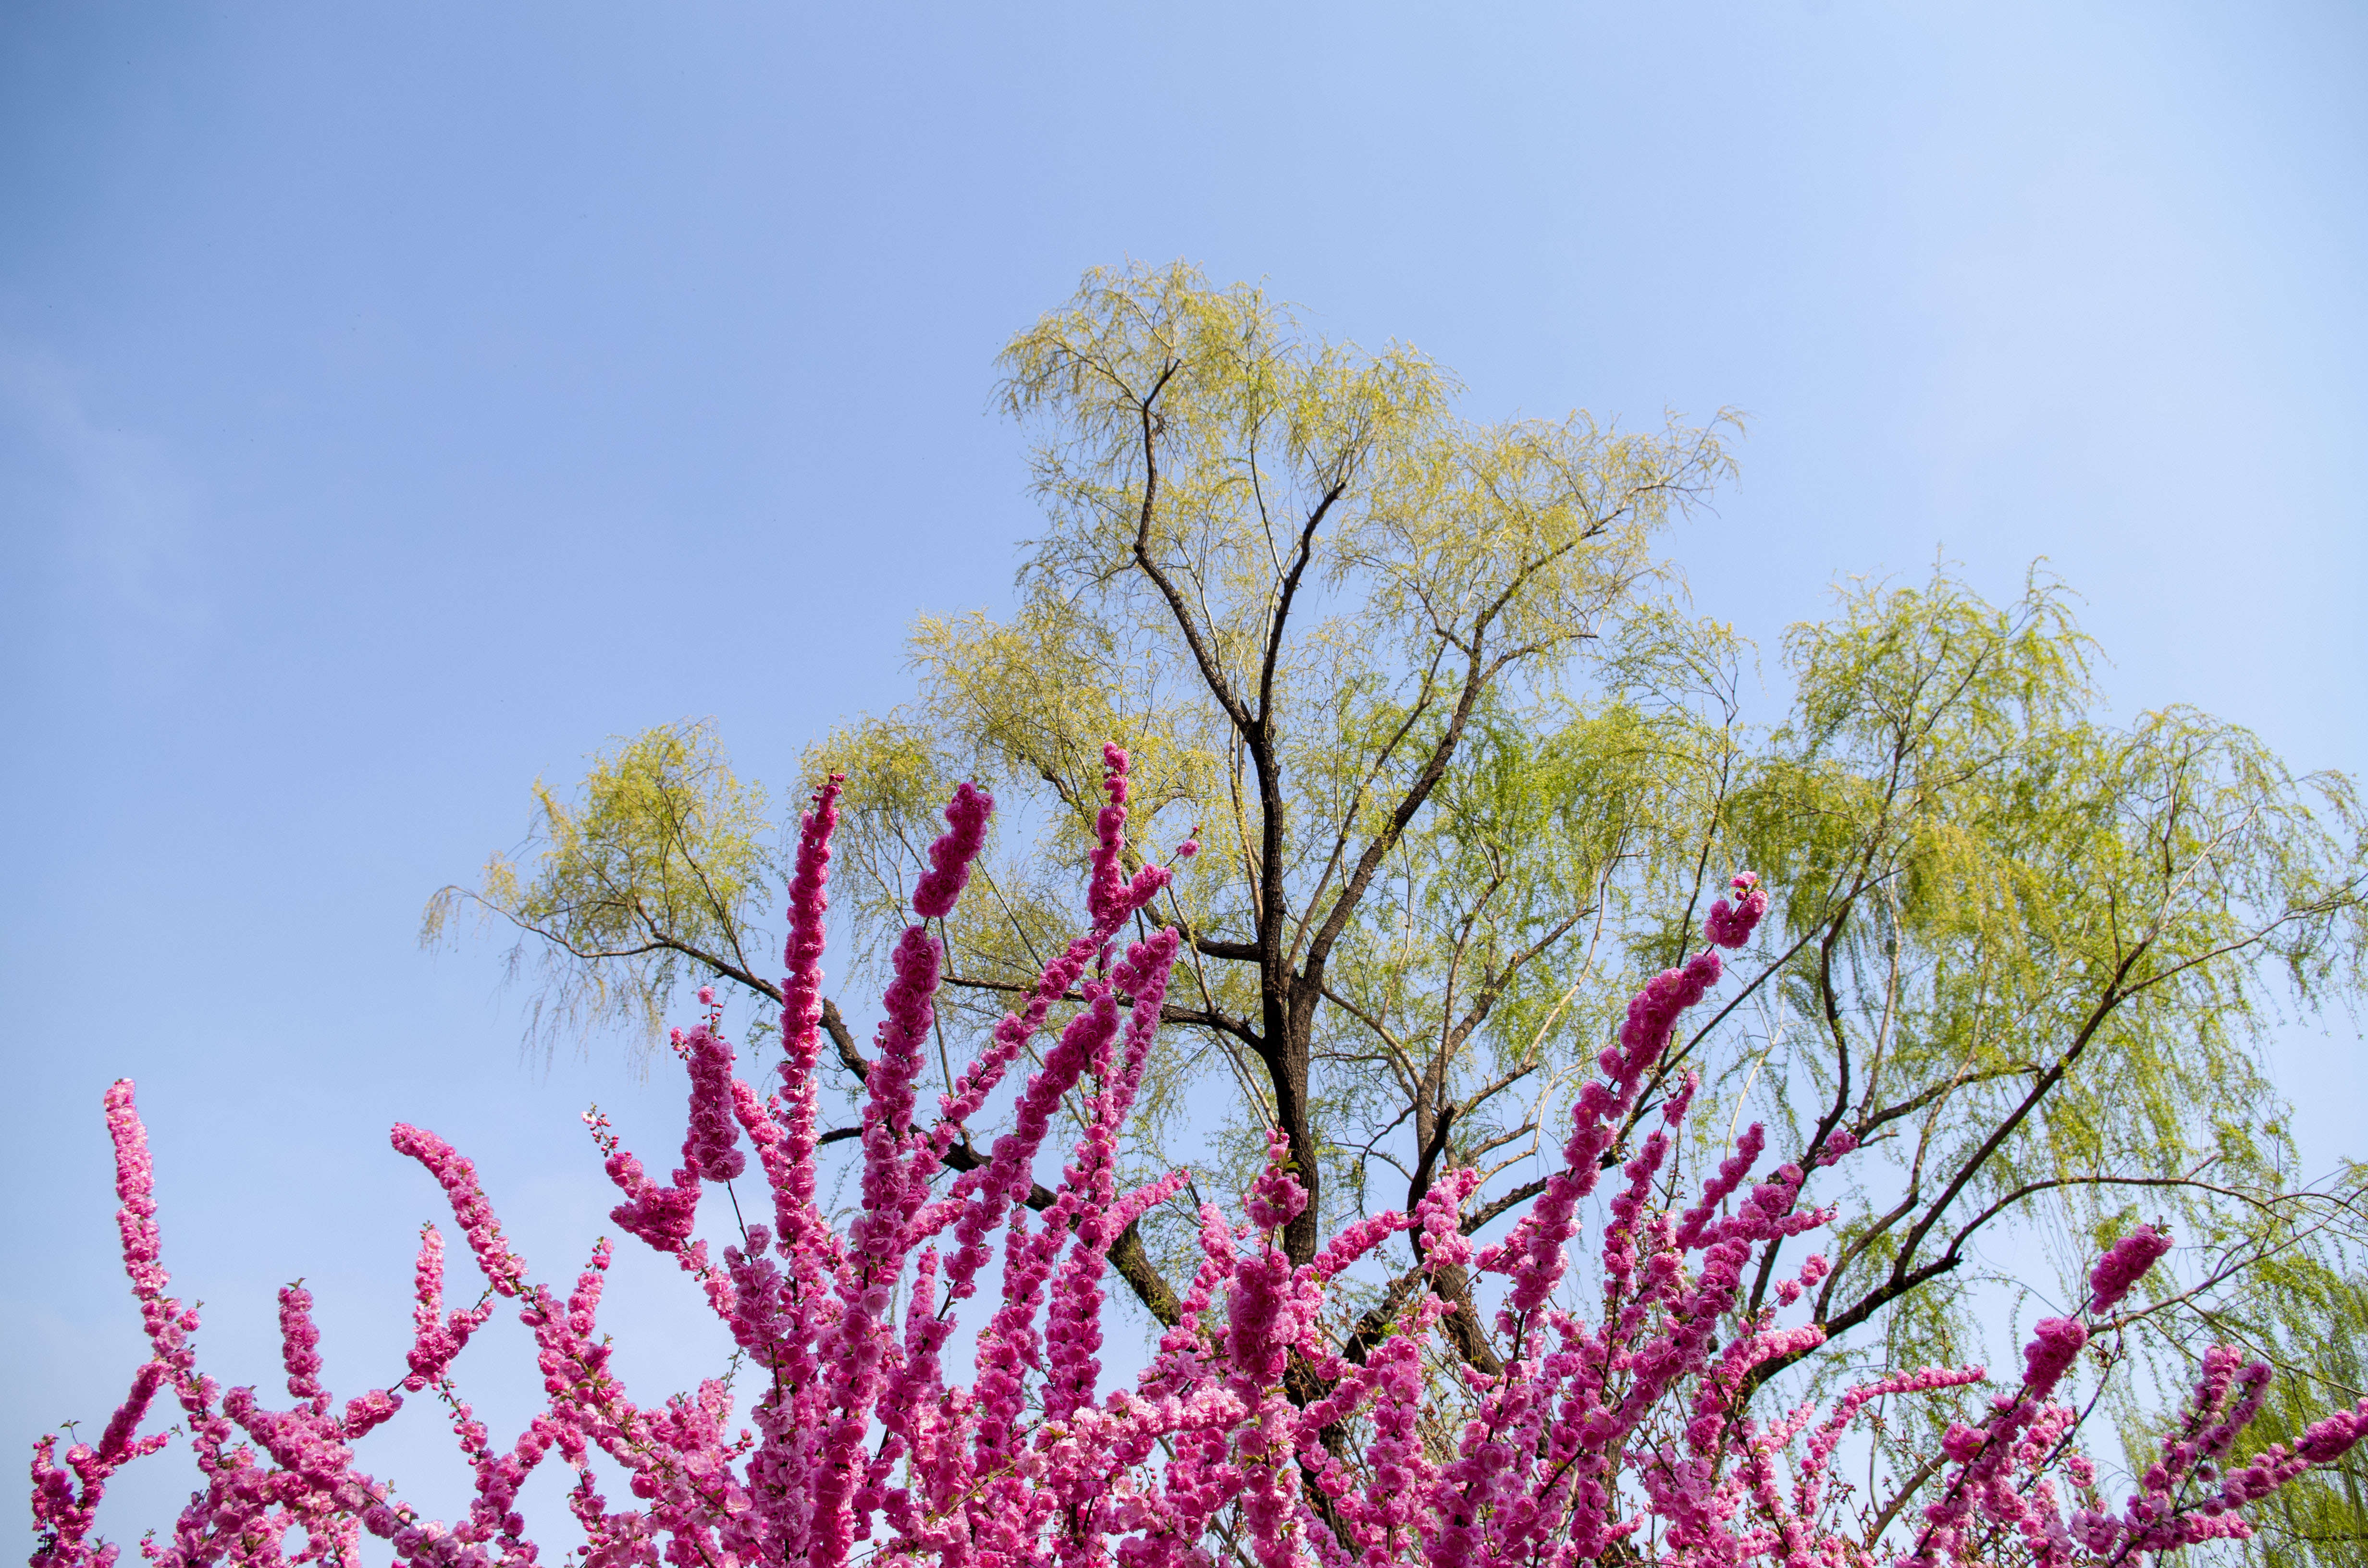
x=2037 y=954
x=1460 y=778
x=652 y=875
x=1303 y=592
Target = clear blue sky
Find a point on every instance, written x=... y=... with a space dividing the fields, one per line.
x=395 y=401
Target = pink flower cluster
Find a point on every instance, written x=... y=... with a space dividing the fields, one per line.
x=1622 y=1423
x=2125 y=1264
x=1731 y=924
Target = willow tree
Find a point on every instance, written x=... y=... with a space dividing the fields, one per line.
x=1458 y=773
x=1328 y=599
x=2026 y=962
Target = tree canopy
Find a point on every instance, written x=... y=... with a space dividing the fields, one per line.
x=1462 y=767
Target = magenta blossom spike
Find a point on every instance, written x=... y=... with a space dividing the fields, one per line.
x=2124 y=1265
x=950 y=856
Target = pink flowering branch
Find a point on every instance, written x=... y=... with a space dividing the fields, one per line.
x=1620 y=1420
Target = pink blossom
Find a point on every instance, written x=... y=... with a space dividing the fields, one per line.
x=1731 y=924
x=1629 y=1421
x=2124 y=1265
x=950 y=856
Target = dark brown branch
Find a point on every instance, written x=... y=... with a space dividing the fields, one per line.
x=1492 y=987
x=1833 y=1117
x=1127 y=1255
x=1377 y=849
x=1199 y=1017
x=1202 y=655
x=1426 y=1165
x=843 y=1038
x=1283 y=600
x=1907 y=1489
x=1497 y=1207
x=1218 y=948
x=1875 y=1121
x=2112 y=998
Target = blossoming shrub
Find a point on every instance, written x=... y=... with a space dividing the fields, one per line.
x=1617 y=1430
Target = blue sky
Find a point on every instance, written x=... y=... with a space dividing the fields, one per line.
x=396 y=400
